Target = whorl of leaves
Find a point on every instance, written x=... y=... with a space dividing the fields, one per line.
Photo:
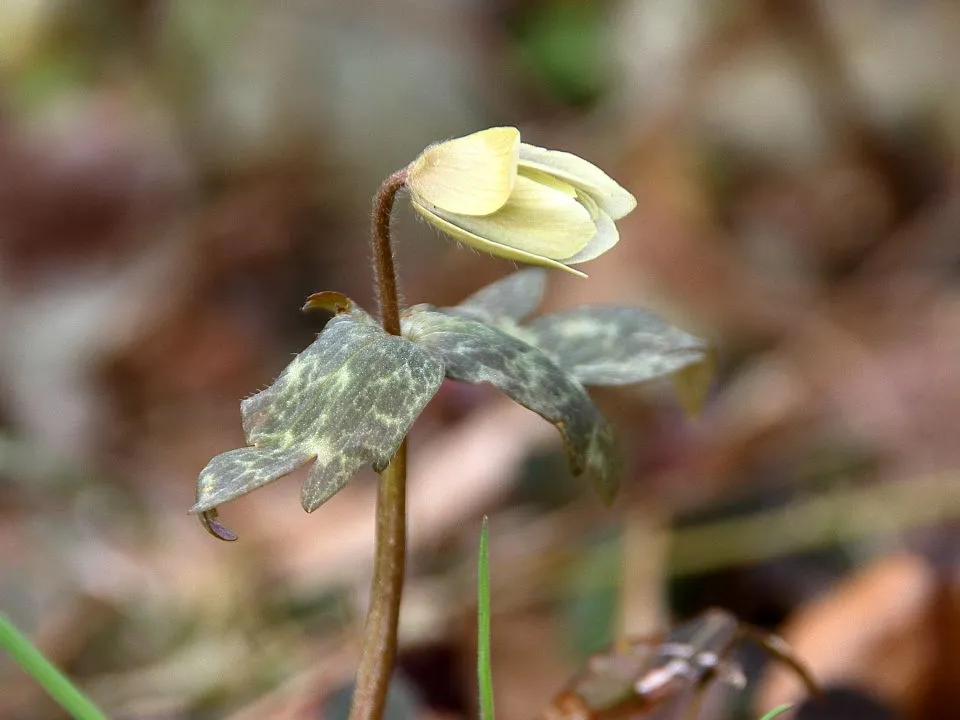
x=350 y=398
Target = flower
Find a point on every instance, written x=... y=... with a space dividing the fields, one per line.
x=518 y=201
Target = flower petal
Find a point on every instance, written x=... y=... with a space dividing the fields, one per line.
x=536 y=219
x=610 y=196
x=472 y=175
x=548 y=179
x=488 y=246
x=607 y=236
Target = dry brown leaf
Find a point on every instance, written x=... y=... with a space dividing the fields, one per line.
x=873 y=632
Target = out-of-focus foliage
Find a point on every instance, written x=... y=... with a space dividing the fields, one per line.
x=41 y=671
x=484 y=668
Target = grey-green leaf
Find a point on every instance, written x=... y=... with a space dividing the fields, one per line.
x=607 y=345
x=475 y=352
x=512 y=298
x=346 y=401
x=237 y=472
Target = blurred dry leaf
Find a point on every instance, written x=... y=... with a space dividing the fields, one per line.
x=692 y=383
x=874 y=632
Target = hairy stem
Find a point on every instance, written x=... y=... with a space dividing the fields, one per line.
x=386 y=275
x=380 y=633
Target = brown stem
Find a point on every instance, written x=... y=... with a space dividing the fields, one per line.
x=383 y=252
x=380 y=632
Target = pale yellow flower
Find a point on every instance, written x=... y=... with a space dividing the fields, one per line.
x=518 y=201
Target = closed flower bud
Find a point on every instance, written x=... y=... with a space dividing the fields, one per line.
x=517 y=201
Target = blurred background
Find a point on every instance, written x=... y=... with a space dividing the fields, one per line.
x=176 y=176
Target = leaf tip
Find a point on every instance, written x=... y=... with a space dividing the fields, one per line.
x=310 y=503
x=328 y=300
x=208 y=518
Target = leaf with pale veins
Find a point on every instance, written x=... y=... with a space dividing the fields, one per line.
x=596 y=344
x=346 y=401
x=609 y=345
x=476 y=352
x=511 y=298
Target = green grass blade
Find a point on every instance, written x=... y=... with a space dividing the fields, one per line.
x=43 y=671
x=776 y=711
x=484 y=670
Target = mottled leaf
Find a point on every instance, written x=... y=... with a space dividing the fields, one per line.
x=607 y=345
x=345 y=401
x=512 y=298
x=237 y=472
x=598 y=345
x=475 y=352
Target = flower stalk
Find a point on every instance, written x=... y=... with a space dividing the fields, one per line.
x=380 y=632
x=386 y=275
x=379 y=649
